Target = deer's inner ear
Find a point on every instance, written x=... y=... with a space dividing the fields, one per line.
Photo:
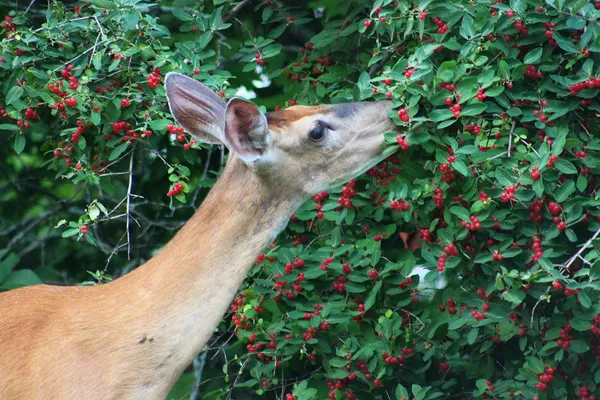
x=246 y=129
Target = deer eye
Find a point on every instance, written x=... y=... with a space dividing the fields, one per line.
x=317 y=133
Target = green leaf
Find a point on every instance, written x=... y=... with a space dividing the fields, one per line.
x=370 y=300
x=504 y=70
x=159 y=125
x=565 y=44
x=20 y=278
x=8 y=264
x=468 y=149
x=534 y=56
x=19 y=144
x=584 y=299
x=275 y=33
x=582 y=183
x=473 y=110
x=467 y=28
x=95 y=118
x=441 y=115
x=579 y=346
x=14 y=95
x=401 y=392
x=461 y=212
x=8 y=127
x=535 y=364
x=70 y=232
x=566 y=167
x=514 y=296
x=338 y=373
x=446 y=71
x=563 y=192
x=472 y=336
x=338 y=362
x=117 y=151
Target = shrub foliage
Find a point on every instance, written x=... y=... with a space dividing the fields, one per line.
x=496 y=173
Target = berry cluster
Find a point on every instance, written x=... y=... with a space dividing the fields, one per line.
x=403 y=115
x=438 y=198
x=537 y=249
x=8 y=25
x=318 y=198
x=589 y=83
x=584 y=392
x=451 y=250
x=497 y=256
x=154 y=79
x=481 y=94
x=442 y=27
x=520 y=27
x=532 y=73
x=474 y=225
x=402 y=143
x=595 y=327
x=425 y=235
x=325 y=263
x=347 y=192
x=442 y=262
x=508 y=194
x=399 y=205
x=175 y=190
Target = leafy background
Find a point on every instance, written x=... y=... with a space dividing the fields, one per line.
x=497 y=177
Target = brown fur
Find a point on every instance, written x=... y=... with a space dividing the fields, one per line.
x=282 y=118
x=132 y=338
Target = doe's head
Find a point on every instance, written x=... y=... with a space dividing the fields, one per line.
x=307 y=147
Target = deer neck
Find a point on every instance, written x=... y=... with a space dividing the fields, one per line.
x=188 y=286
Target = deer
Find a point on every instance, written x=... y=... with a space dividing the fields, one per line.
x=133 y=337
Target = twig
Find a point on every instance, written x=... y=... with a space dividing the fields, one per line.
x=198 y=365
x=114 y=162
x=128 y=205
x=564 y=267
x=28 y=7
x=82 y=54
x=57 y=26
x=235 y=10
x=510 y=135
x=237 y=378
x=162 y=159
x=114 y=252
x=583 y=248
x=101 y=34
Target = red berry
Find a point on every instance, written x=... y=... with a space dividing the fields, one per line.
x=557 y=285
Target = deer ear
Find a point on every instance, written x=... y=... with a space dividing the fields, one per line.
x=246 y=130
x=196 y=108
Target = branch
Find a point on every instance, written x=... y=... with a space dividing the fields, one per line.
x=93 y=48
x=235 y=10
x=564 y=267
x=198 y=365
x=510 y=135
x=128 y=204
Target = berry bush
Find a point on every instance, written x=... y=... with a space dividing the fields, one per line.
x=492 y=187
